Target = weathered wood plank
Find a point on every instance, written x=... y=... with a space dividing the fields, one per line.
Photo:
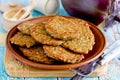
x=40 y=78
x=2 y=39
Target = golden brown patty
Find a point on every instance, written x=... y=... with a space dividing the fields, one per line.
x=86 y=41
x=39 y=33
x=25 y=27
x=22 y=40
x=62 y=28
x=37 y=54
x=61 y=54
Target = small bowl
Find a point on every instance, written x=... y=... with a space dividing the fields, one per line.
x=97 y=50
x=8 y=23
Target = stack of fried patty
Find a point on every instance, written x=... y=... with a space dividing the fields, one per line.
x=59 y=39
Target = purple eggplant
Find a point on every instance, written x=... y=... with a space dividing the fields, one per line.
x=90 y=10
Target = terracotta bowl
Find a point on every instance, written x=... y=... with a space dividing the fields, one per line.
x=92 y=55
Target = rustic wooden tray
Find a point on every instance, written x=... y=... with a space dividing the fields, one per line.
x=15 y=68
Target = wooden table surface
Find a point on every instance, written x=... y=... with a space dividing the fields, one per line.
x=112 y=34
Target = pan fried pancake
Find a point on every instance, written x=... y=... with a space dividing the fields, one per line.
x=61 y=54
x=39 y=33
x=22 y=40
x=62 y=28
x=25 y=27
x=86 y=41
x=37 y=54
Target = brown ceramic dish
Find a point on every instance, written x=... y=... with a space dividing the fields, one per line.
x=95 y=53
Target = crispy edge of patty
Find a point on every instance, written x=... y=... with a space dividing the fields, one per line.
x=22 y=40
x=39 y=33
x=62 y=28
x=61 y=54
x=25 y=27
x=85 y=43
x=37 y=54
